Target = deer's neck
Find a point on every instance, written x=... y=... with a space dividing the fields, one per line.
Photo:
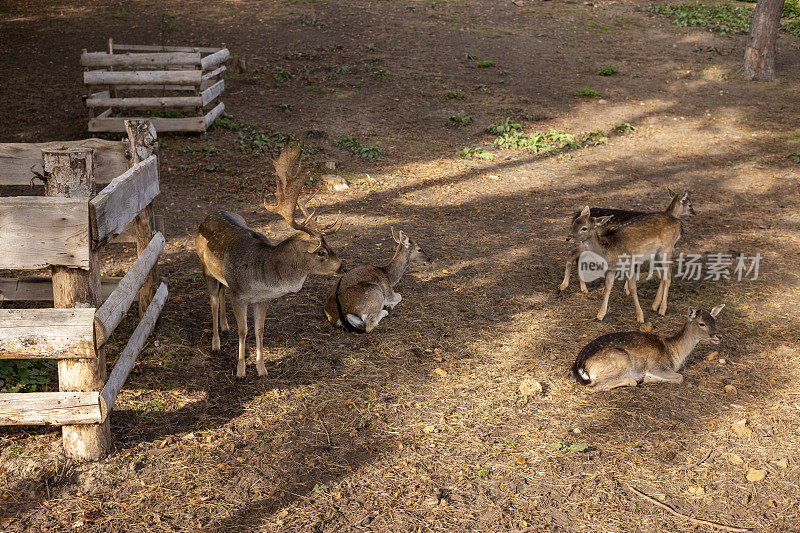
x=680 y=346
x=286 y=265
x=395 y=269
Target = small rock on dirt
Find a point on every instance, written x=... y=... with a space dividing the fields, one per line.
x=530 y=387
x=440 y=372
x=754 y=475
x=735 y=459
x=781 y=463
x=730 y=389
x=334 y=182
x=712 y=356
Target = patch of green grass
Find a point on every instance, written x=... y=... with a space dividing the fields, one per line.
x=485 y=64
x=477 y=153
x=795 y=156
x=586 y=92
x=28 y=375
x=286 y=108
x=608 y=70
x=595 y=138
x=380 y=73
x=505 y=125
x=462 y=118
x=598 y=26
x=351 y=143
x=454 y=94
x=724 y=19
x=482 y=87
x=370 y=47
x=281 y=74
x=623 y=128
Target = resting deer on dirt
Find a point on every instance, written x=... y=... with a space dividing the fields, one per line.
x=651 y=236
x=628 y=359
x=679 y=207
x=255 y=270
x=365 y=295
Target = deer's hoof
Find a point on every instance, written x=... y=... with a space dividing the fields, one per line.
x=226 y=331
x=240 y=379
x=215 y=352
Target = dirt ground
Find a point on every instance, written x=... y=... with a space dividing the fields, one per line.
x=429 y=423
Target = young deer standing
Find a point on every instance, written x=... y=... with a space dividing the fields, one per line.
x=679 y=206
x=255 y=270
x=628 y=359
x=651 y=236
x=363 y=296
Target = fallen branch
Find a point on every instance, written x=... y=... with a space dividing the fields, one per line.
x=698 y=463
x=673 y=512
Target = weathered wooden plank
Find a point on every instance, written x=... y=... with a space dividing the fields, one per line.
x=116 y=306
x=143 y=77
x=214 y=73
x=158 y=48
x=212 y=115
x=145 y=102
x=122 y=199
x=212 y=92
x=40 y=288
x=36 y=232
x=217 y=58
x=51 y=408
x=117 y=124
x=151 y=59
x=47 y=333
x=156 y=87
x=127 y=359
x=16 y=159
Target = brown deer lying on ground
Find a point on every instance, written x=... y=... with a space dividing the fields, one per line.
x=255 y=270
x=628 y=359
x=365 y=295
x=652 y=236
x=679 y=206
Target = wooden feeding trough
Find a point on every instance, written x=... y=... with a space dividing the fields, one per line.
x=132 y=80
x=65 y=230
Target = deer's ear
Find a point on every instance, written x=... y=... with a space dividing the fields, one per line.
x=403 y=238
x=691 y=313
x=586 y=211
x=603 y=220
x=714 y=312
x=685 y=196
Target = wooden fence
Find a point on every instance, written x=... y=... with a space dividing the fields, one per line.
x=65 y=231
x=131 y=79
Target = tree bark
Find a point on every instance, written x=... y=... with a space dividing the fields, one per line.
x=759 y=55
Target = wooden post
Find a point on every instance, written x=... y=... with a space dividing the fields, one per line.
x=142 y=138
x=69 y=173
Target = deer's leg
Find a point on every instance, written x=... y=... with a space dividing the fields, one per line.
x=608 y=384
x=373 y=320
x=663 y=375
x=240 y=312
x=213 y=290
x=606 y=293
x=667 y=281
x=393 y=300
x=259 y=312
x=631 y=284
x=223 y=317
x=660 y=292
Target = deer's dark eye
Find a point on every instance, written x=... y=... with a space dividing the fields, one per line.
x=702 y=324
x=584 y=228
x=321 y=253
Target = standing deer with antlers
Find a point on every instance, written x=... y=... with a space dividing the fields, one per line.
x=255 y=270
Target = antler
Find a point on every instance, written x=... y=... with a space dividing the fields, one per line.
x=288 y=184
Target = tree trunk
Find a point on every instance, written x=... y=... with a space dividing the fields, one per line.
x=759 y=56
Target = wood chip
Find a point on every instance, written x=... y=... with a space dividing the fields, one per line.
x=755 y=475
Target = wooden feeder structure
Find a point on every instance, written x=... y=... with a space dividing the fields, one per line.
x=162 y=84
x=64 y=231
